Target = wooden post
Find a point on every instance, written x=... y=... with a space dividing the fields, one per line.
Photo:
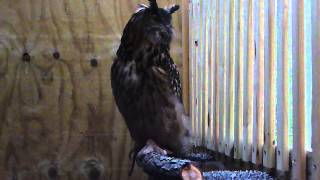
x=191 y=67
x=315 y=167
x=201 y=72
x=282 y=123
x=194 y=70
x=217 y=130
x=224 y=80
x=185 y=54
x=238 y=123
x=230 y=129
x=205 y=98
x=269 y=144
x=258 y=131
x=212 y=75
x=247 y=128
x=298 y=153
x=197 y=67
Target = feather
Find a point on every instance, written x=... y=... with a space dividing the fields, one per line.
x=146 y=83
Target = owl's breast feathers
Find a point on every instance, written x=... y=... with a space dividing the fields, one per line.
x=147 y=88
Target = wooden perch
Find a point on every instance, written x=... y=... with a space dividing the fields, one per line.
x=158 y=165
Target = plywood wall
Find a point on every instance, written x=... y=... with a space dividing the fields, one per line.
x=58 y=112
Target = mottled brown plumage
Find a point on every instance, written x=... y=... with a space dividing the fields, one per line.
x=146 y=83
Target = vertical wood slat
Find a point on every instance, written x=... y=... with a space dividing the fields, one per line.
x=258 y=131
x=198 y=76
x=238 y=123
x=201 y=72
x=298 y=153
x=185 y=54
x=212 y=76
x=230 y=129
x=247 y=128
x=315 y=167
x=206 y=71
x=269 y=144
x=224 y=82
x=282 y=123
x=191 y=67
x=217 y=48
x=195 y=67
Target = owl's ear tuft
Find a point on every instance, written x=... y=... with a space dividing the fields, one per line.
x=173 y=9
x=153 y=5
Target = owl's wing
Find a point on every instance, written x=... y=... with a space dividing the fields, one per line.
x=166 y=63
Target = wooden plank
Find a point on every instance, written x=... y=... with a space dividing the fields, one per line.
x=223 y=119
x=208 y=131
x=282 y=123
x=298 y=152
x=258 y=130
x=315 y=167
x=230 y=129
x=206 y=70
x=200 y=73
x=247 y=125
x=239 y=123
x=197 y=74
x=191 y=68
x=217 y=125
x=269 y=144
x=212 y=143
x=185 y=54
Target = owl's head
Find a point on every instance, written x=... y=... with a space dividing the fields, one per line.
x=149 y=26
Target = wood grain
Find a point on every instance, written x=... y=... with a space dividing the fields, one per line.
x=282 y=123
x=248 y=122
x=299 y=152
x=269 y=144
x=259 y=123
x=232 y=56
x=315 y=170
x=60 y=112
x=239 y=122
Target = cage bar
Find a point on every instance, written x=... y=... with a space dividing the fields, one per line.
x=269 y=144
x=206 y=71
x=282 y=123
x=247 y=125
x=230 y=127
x=298 y=151
x=185 y=54
x=217 y=132
x=239 y=122
x=315 y=163
x=258 y=124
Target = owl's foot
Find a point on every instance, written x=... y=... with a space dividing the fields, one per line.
x=155 y=161
x=151 y=146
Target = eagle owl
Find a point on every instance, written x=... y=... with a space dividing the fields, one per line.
x=146 y=83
